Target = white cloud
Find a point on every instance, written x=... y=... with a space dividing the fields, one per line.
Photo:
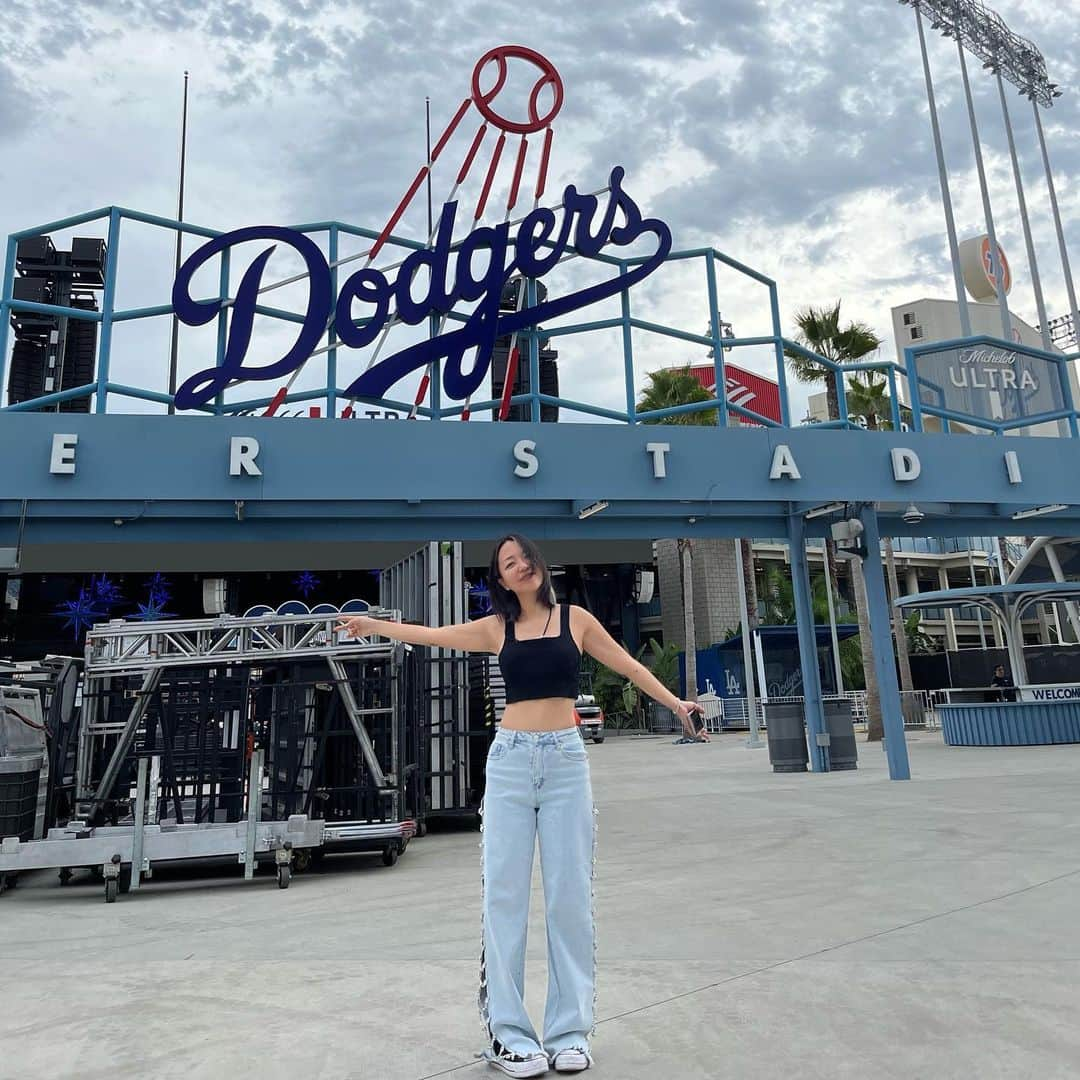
x=793 y=137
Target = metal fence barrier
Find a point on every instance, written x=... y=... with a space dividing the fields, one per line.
x=918 y=708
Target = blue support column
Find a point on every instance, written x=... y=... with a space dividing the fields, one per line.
x=5 y=310
x=628 y=351
x=720 y=377
x=881 y=636
x=778 y=344
x=808 y=656
x=108 y=306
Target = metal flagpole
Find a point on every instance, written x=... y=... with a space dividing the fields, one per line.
x=1070 y=288
x=427 y=123
x=999 y=272
x=1040 y=303
x=179 y=240
x=943 y=177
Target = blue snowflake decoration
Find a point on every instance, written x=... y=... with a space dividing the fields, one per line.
x=105 y=591
x=160 y=589
x=82 y=613
x=480 y=599
x=152 y=611
x=306 y=583
x=159 y=592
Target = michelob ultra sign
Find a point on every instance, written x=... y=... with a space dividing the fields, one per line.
x=989 y=379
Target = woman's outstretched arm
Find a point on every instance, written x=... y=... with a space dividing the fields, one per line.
x=483 y=635
x=599 y=644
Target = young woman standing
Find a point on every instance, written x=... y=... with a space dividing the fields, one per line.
x=538 y=788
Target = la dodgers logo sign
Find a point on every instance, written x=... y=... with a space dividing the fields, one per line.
x=448 y=272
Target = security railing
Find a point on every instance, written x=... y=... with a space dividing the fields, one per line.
x=917 y=706
x=904 y=383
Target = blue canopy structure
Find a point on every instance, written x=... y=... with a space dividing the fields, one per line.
x=1006 y=604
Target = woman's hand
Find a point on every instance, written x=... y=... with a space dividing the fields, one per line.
x=360 y=626
x=684 y=710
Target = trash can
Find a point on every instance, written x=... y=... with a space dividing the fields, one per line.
x=786 y=733
x=20 y=777
x=842 y=751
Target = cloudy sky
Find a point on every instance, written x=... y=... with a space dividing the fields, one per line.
x=793 y=137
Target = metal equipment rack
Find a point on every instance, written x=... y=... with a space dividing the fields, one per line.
x=457 y=714
x=177 y=706
x=126 y=853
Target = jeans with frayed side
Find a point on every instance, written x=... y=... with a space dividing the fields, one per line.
x=538 y=786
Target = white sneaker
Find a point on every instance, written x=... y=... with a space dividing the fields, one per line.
x=571 y=1060
x=533 y=1065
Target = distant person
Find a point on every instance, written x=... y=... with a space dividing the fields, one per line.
x=1003 y=684
x=538 y=788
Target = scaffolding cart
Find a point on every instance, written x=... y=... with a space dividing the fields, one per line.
x=252 y=737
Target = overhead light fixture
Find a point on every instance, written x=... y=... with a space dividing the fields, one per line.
x=589 y=509
x=1038 y=511
x=913 y=515
x=822 y=511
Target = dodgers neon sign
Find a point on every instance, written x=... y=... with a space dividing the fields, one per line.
x=483 y=262
x=536 y=247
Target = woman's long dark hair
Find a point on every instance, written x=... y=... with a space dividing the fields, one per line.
x=504 y=602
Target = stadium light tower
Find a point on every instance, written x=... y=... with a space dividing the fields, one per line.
x=984 y=34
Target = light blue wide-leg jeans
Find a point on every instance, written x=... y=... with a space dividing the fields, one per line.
x=538 y=787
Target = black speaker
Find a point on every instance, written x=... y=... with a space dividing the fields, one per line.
x=88 y=251
x=35 y=249
x=33 y=289
x=88 y=260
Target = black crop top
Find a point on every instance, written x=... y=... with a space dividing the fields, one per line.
x=545 y=667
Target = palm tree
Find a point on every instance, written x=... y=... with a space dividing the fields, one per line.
x=869 y=399
x=820 y=332
x=779 y=593
x=686 y=574
x=669 y=387
x=919 y=641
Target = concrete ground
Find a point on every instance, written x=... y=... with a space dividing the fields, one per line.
x=751 y=925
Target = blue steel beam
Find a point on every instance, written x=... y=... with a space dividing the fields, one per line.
x=626 y=323
x=813 y=710
x=52 y=399
x=8 y=285
x=108 y=303
x=778 y=345
x=122 y=390
x=719 y=375
x=63 y=223
x=881 y=635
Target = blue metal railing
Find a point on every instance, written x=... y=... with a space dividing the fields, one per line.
x=901 y=378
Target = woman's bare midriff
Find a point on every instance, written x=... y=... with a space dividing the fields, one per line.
x=543 y=714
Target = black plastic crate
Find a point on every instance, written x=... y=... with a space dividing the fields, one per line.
x=18 y=803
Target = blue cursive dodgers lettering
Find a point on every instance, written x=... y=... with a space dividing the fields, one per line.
x=204 y=385
x=483 y=263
